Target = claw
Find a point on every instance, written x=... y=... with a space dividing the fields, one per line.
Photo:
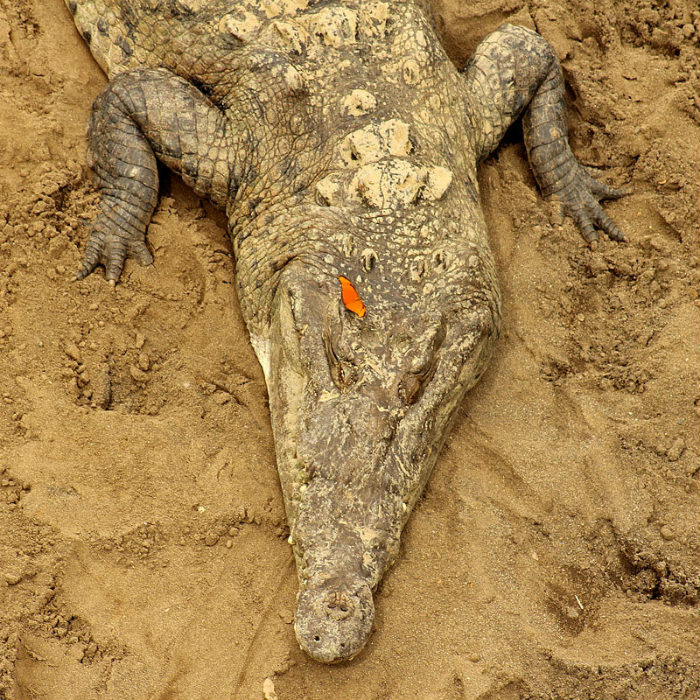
x=111 y=249
x=607 y=224
x=581 y=201
x=83 y=272
x=585 y=225
x=140 y=251
x=93 y=253
x=115 y=255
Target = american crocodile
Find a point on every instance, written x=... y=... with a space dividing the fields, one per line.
x=343 y=146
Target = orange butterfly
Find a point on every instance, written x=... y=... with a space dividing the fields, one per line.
x=351 y=298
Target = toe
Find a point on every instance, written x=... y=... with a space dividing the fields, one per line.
x=602 y=191
x=606 y=224
x=140 y=251
x=115 y=255
x=584 y=223
x=93 y=254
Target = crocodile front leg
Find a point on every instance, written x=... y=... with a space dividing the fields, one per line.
x=141 y=115
x=514 y=70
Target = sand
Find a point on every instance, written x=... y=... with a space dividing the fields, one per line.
x=143 y=548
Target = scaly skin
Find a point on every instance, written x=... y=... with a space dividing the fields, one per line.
x=339 y=140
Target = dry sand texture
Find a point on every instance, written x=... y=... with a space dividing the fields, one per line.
x=555 y=553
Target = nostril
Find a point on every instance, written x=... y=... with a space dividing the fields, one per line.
x=333 y=621
x=338 y=606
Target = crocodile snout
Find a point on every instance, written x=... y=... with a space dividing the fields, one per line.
x=333 y=620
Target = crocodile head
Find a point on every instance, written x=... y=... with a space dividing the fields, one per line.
x=360 y=408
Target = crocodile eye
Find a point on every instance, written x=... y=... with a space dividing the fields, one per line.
x=409 y=389
x=342 y=372
x=412 y=383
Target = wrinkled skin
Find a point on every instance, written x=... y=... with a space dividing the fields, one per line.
x=360 y=409
x=339 y=140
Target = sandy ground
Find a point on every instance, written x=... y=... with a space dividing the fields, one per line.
x=555 y=553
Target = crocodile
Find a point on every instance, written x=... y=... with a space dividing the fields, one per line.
x=343 y=146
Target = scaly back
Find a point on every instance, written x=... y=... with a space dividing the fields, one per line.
x=176 y=34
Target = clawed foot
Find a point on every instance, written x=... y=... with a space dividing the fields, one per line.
x=111 y=249
x=581 y=198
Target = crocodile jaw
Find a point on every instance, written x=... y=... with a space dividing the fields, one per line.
x=354 y=458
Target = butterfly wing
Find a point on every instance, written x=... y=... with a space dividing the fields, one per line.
x=351 y=299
